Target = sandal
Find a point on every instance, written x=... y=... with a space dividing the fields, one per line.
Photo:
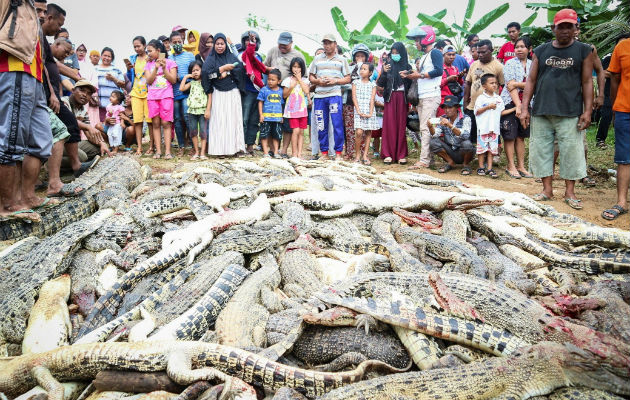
x=402 y=161
x=149 y=152
x=47 y=203
x=27 y=214
x=445 y=168
x=466 y=171
x=492 y=173
x=366 y=161
x=387 y=161
x=168 y=156
x=525 y=174
x=515 y=176
x=481 y=171
x=588 y=181
x=68 y=190
x=613 y=212
x=575 y=204
x=541 y=197
x=601 y=144
x=203 y=157
x=194 y=157
x=157 y=156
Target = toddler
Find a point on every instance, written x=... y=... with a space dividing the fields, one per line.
x=270 y=103
x=488 y=110
x=199 y=104
x=113 y=110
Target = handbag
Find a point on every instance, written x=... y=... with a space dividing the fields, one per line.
x=454 y=87
x=412 y=94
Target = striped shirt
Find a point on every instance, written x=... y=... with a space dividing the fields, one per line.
x=9 y=63
x=334 y=67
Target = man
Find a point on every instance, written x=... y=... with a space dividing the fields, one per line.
x=182 y=59
x=72 y=61
x=95 y=57
x=166 y=42
x=460 y=61
x=181 y=30
x=485 y=64
x=507 y=50
x=560 y=80
x=54 y=19
x=25 y=142
x=429 y=77
x=327 y=73
x=450 y=139
x=279 y=58
x=619 y=69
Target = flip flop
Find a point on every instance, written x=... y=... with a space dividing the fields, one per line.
x=387 y=161
x=541 y=197
x=575 y=204
x=615 y=211
x=168 y=157
x=47 y=203
x=525 y=174
x=515 y=176
x=481 y=171
x=366 y=161
x=445 y=168
x=492 y=174
x=27 y=214
x=86 y=166
x=466 y=171
x=68 y=190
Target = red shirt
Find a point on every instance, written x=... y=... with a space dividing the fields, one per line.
x=506 y=52
x=448 y=71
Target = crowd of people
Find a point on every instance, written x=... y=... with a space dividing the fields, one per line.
x=220 y=98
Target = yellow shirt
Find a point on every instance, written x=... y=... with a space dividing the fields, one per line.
x=139 y=89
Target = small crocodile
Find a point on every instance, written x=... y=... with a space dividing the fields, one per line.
x=185 y=362
x=536 y=370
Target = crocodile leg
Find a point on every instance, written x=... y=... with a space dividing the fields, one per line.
x=345 y=210
x=179 y=369
x=343 y=361
x=47 y=381
x=449 y=301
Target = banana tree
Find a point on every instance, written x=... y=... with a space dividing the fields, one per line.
x=457 y=31
x=590 y=11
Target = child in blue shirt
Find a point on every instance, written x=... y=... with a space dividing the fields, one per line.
x=270 y=105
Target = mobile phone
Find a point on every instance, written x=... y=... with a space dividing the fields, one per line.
x=126 y=61
x=435 y=121
x=162 y=56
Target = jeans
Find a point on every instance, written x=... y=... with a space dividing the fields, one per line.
x=249 y=102
x=324 y=109
x=181 y=108
x=622 y=138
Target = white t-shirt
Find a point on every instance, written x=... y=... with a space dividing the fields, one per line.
x=489 y=120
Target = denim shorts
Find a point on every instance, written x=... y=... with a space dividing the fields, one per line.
x=622 y=137
x=197 y=125
x=271 y=130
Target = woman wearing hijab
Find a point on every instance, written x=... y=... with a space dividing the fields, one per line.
x=394 y=142
x=193 y=42
x=223 y=76
x=206 y=43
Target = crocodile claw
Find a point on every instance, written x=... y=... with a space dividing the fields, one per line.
x=366 y=321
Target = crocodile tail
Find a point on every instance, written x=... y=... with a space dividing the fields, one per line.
x=362 y=248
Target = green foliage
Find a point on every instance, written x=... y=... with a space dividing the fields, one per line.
x=256 y=22
x=458 y=31
x=307 y=57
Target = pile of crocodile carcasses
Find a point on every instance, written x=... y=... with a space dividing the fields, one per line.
x=290 y=279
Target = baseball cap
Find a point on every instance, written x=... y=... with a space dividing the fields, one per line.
x=163 y=38
x=449 y=49
x=565 y=15
x=450 y=101
x=85 y=83
x=330 y=37
x=285 y=38
x=179 y=28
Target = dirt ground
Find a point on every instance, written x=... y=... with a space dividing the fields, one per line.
x=594 y=199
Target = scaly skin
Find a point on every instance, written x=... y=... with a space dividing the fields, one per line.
x=184 y=362
x=534 y=371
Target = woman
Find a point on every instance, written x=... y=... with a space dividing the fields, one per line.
x=467 y=53
x=138 y=94
x=193 y=42
x=394 y=141
x=515 y=71
x=110 y=78
x=223 y=77
x=206 y=43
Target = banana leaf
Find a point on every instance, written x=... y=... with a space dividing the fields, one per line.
x=490 y=17
x=369 y=27
x=469 y=12
x=388 y=24
x=441 y=28
x=340 y=23
x=530 y=19
x=440 y=14
x=307 y=57
x=403 y=18
x=463 y=31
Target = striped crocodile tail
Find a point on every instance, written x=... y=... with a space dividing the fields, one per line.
x=466 y=203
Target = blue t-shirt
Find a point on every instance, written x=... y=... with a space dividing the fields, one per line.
x=272 y=103
x=182 y=60
x=461 y=63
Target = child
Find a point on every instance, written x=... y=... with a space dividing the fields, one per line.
x=113 y=110
x=161 y=74
x=488 y=110
x=199 y=104
x=270 y=102
x=296 y=90
x=379 y=106
x=363 y=94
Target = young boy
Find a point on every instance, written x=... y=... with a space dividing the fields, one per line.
x=270 y=103
x=488 y=110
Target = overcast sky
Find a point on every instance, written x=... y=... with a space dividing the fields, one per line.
x=114 y=23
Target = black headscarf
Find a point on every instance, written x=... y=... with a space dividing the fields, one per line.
x=402 y=65
x=210 y=72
